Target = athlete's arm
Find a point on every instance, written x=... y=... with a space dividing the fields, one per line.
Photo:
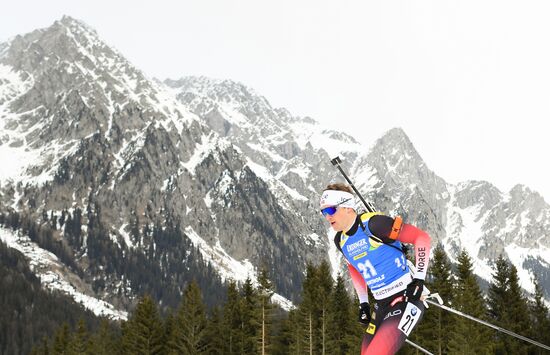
x=421 y=241
x=389 y=230
x=359 y=284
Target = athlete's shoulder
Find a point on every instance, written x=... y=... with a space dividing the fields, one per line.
x=385 y=227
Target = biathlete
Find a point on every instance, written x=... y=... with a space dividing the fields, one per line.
x=371 y=245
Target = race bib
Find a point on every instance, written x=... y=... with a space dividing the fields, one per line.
x=409 y=319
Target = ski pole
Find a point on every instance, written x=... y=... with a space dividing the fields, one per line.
x=336 y=162
x=489 y=325
x=418 y=347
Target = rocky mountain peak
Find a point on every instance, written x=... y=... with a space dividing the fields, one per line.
x=395 y=146
x=529 y=214
x=236 y=103
x=398 y=164
x=68 y=68
x=76 y=26
x=69 y=51
x=64 y=85
x=338 y=136
x=223 y=91
x=523 y=197
x=475 y=192
x=65 y=40
x=310 y=120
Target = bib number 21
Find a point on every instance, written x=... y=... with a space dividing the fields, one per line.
x=409 y=319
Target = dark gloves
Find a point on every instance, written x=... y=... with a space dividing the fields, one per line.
x=364 y=313
x=414 y=290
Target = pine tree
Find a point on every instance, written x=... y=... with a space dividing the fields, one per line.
x=468 y=337
x=169 y=329
x=309 y=309
x=232 y=315
x=497 y=291
x=508 y=308
x=215 y=333
x=283 y=334
x=297 y=333
x=143 y=333
x=265 y=292
x=300 y=329
x=61 y=340
x=79 y=343
x=500 y=306
x=518 y=314
x=189 y=333
x=105 y=341
x=311 y=326
x=434 y=329
x=251 y=318
x=540 y=318
x=341 y=321
x=42 y=349
x=325 y=285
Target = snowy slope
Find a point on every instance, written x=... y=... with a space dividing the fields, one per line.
x=54 y=275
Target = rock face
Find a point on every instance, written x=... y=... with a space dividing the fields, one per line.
x=97 y=135
x=214 y=162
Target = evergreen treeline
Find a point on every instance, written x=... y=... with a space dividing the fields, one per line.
x=324 y=322
x=442 y=332
x=247 y=323
x=29 y=313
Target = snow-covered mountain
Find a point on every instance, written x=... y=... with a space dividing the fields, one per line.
x=472 y=215
x=84 y=130
x=390 y=172
x=210 y=167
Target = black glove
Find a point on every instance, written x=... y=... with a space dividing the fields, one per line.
x=414 y=290
x=364 y=313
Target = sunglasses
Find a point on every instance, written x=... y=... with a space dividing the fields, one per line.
x=332 y=209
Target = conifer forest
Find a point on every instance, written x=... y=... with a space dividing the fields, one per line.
x=244 y=320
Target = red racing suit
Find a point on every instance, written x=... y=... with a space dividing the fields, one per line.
x=373 y=251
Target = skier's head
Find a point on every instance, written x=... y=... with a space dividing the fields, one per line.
x=338 y=206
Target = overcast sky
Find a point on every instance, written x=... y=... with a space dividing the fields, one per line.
x=468 y=81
